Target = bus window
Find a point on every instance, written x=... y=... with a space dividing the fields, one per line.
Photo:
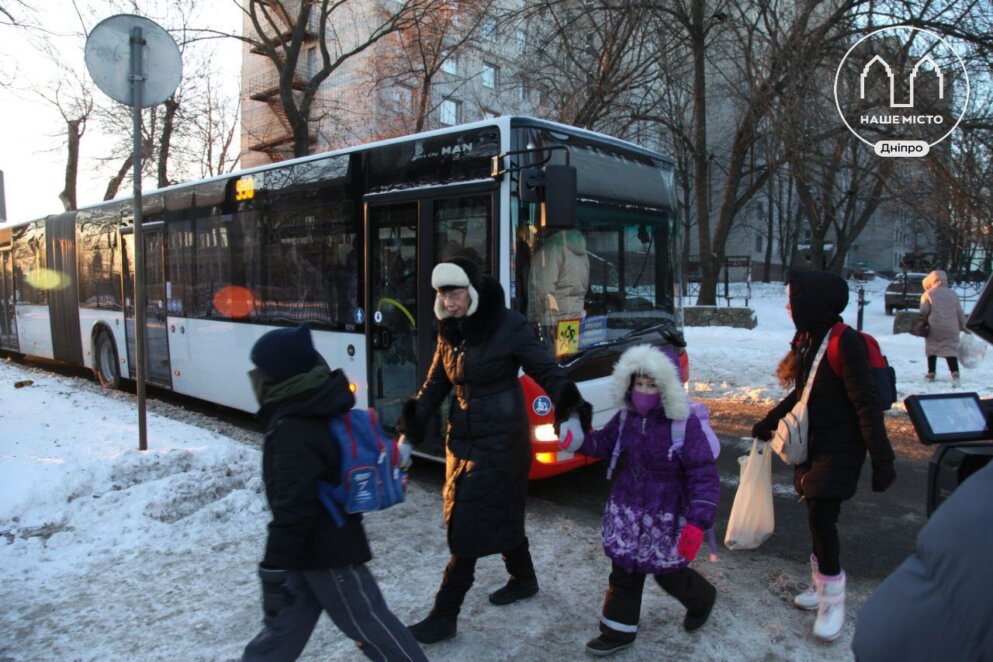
x=462 y=227
x=29 y=261
x=99 y=259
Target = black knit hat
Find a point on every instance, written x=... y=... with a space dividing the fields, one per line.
x=285 y=353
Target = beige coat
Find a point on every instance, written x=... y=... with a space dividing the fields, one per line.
x=941 y=306
x=560 y=276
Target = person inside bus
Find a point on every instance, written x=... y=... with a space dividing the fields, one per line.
x=310 y=564
x=481 y=348
x=560 y=277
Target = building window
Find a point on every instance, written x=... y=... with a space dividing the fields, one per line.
x=403 y=98
x=488 y=28
x=450 y=112
x=491 y=76
x=758 y=243
x=522 y=41
x=450 y=63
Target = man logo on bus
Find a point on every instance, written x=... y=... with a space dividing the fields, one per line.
x=901 y=90
x=542 y=405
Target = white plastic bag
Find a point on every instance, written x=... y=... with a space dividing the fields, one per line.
x=752 y=519
x=971 y=350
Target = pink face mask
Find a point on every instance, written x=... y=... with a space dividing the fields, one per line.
x=645 y=402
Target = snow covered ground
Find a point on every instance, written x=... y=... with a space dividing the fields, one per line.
x=109 y=553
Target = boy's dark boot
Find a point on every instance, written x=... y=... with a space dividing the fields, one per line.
x=523 y=582
x=441 y=623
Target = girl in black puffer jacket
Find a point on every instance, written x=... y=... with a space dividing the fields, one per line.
x=845 y=420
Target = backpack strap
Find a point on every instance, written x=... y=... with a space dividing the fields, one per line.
x=617 y=445
x=834 y=344
x=678 y=430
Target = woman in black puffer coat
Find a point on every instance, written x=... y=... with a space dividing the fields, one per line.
x=481 y=347
x=845 y=420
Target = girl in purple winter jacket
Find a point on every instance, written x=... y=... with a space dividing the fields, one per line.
x=664 y=495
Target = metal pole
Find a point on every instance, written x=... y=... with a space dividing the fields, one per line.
x=861 y=307
x=137 y=87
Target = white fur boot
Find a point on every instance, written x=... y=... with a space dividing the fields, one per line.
x=809 y=599
x=831 y=610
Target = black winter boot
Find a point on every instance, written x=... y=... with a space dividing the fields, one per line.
x=515 y=589
x=695 y=620
x=603 y=646
x=434 y=628
x=693 y=591
x=522 y=583
x=442 y=622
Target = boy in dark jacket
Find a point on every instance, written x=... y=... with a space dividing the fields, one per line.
x=309 y=563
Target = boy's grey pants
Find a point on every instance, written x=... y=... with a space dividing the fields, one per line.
x=352 y=599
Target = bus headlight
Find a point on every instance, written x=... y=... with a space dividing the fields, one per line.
x=545 y=432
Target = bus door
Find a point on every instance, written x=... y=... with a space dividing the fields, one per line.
x=406 y=239
x=8 y=323
x=156 y=337
x=392 y=306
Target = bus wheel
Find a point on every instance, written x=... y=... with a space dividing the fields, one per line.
x=107 y=368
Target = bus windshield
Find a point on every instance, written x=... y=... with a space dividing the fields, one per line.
x=611 y=276
x=598 y=282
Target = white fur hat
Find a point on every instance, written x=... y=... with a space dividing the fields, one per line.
x=456 y=272
x=651 y=362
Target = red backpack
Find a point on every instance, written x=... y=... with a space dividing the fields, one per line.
x=883 y=375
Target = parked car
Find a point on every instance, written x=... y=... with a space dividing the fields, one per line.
x=862 y=273
x=904 y=291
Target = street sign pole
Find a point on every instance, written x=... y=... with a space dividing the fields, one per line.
x=135 y=62
x=137 y=88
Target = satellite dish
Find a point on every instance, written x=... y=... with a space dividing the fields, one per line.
x=108 y=59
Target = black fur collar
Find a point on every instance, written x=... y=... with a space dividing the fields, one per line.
x=481 y=324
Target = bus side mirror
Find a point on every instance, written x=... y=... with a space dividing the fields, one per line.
x=559 y=208
x=531 y=185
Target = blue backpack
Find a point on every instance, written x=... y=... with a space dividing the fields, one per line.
x=370 y=478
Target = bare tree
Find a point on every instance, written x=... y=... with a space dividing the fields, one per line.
x=422 y=58
x=15 y=12
x=71 y=95
x=281 y=28
x=592 y=62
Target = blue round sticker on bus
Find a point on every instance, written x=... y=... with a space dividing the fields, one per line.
x=542 y=405
x=358 y=314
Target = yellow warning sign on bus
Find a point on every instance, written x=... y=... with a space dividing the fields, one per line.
x=567 y=337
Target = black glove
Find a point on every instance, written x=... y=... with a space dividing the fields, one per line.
x=759 y=431
x=585 y=412
x=882 y=477
x=275 y=594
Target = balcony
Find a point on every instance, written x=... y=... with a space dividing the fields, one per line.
x=265 y=84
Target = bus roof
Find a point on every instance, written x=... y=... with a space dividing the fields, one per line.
x=504 y=121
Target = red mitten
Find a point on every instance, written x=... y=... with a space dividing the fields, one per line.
x=690 y=541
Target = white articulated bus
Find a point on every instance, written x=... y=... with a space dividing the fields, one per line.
x=345 y=241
